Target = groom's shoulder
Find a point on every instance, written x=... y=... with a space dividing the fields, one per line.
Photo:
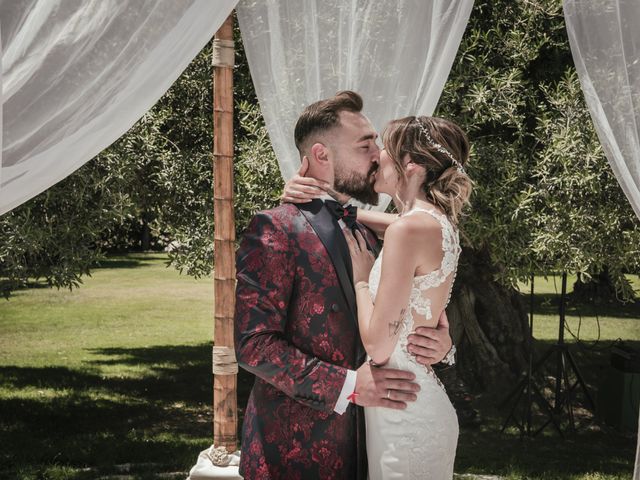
x=283 y=215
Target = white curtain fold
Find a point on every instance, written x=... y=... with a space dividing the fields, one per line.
x=76 y=75
x=396 y=54
x=605 y=45
x=1 y=102
x=606 y=50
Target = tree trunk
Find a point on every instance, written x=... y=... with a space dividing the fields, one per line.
x=599 y=290
x=146 y=232
x=489 y=325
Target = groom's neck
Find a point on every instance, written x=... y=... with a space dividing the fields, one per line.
x=319 y=174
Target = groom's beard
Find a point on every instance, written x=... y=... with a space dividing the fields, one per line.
x=358 y=186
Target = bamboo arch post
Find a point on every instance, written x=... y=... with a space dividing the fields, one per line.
x=225 y=368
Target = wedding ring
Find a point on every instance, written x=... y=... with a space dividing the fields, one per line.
x=388 y=393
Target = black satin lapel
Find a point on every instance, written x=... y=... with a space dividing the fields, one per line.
x=325 y=225
x=370 y=238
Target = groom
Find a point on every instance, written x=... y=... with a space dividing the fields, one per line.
x=296 y=326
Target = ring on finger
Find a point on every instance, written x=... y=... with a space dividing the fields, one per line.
x=388 y=393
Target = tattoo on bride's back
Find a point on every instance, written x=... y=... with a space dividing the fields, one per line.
x=394 y=327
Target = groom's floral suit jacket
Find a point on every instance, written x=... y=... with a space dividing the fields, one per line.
x=296 y=329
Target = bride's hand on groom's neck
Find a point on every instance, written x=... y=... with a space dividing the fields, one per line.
x=302 y=189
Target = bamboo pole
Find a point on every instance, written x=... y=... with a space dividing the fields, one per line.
x=225 y=415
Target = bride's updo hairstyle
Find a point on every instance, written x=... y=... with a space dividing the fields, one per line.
x=442 y=148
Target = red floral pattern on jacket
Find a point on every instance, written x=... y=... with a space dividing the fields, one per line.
x=295 y=332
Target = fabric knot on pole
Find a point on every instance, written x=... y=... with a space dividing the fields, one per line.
x=224 y=361
x=223 y=53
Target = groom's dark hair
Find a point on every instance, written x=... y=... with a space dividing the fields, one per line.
x=324 y=114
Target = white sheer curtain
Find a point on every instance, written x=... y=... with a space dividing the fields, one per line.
x=606 y=50
x=605 y=45
x=396 y=54
x=77 y=74
x=1 y=102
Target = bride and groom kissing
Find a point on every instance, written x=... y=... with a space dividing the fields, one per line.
x=341 y=334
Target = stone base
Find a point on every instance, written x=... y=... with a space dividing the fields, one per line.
x=205 y=469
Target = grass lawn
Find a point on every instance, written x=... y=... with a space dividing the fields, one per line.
x=115 y=372
x=114 y=380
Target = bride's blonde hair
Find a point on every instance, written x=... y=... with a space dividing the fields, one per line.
x=442 y=148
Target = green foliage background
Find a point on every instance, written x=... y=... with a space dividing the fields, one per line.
x=158 y=175
x=545 y=198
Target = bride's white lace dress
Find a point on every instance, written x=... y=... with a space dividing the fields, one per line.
x=420 y=441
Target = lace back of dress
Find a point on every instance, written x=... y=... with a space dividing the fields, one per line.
x=434 y=285
x=442 y=277
x=428 y=290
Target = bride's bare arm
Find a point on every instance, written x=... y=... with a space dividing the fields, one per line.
x=376 y=221
x=381 y=324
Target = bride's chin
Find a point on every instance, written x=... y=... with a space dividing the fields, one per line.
x=379 y=189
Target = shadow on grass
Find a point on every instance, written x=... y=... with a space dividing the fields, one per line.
x=84 y=418
x=485 y=451
x=8 y=289
x=130 y=261
x=161 y=415
x=593 y=447
x=548 y=304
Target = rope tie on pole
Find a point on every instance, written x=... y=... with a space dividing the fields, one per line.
x=223 y=53
x=220 y=457
x=224 y=361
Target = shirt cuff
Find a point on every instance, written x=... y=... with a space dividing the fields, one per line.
x=347 y=389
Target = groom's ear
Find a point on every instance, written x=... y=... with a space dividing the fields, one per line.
x=319 y=154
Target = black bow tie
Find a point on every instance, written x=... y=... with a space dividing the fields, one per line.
x=346 y=214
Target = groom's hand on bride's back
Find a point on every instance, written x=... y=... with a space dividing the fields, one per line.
x=431 y=345
x=385 y=387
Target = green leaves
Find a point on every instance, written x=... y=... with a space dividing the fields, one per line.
x=545 y=198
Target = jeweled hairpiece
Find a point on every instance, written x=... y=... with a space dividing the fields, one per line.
x=439 y=147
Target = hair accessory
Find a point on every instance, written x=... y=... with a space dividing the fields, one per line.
x=439 y=147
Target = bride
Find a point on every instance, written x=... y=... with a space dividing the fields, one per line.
x=409 y=285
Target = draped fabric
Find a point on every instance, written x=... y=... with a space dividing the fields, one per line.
x=606 y=51
x=77 y=74
x=397 y=55
x=1 y=102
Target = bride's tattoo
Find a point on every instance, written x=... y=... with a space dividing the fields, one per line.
x=394 y=327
